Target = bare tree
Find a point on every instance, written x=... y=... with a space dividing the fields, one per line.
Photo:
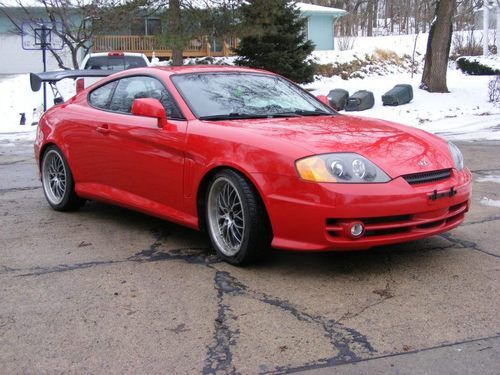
x=438 y=48
x=79 y=19
x=400 y=16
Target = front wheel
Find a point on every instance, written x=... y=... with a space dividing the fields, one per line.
x=57 y=181
x=236 y=219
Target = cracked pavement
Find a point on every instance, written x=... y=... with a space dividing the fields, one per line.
x=107 y=290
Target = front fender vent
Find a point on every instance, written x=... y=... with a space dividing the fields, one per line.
x=424 y=177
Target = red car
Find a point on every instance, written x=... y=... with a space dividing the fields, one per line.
x=252 y=159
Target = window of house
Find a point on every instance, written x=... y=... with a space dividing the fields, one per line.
x=138 y=26
x=154 y=26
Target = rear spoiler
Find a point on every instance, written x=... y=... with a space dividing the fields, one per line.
x=36 y=79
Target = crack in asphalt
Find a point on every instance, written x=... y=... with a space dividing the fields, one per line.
x=16 y=162
x=193 y=255
x=487 y=220
x=349 y=343
x=8 y=190
x=38 y=271
x=384 y=294
x=219 y=356
x=466 y=244
x=324 y=364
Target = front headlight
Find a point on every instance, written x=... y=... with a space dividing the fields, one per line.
x=457 y=156
x=342 y=168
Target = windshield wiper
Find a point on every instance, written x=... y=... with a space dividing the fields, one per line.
x=316 y=112
x=300 y=113
x=232 y=116
x=239 y=116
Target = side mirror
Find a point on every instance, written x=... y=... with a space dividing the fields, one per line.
x=150 y=107
x=323 y=99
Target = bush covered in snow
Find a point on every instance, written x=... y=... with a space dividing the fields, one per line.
x=479 y=65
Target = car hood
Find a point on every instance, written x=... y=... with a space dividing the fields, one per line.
x=397 y=149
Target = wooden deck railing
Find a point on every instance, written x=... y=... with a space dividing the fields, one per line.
x=149 y=44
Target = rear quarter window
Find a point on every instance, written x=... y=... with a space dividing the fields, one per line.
x=101 y=96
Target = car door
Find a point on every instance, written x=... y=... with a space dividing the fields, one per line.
x=86 y=142
x=144 y=163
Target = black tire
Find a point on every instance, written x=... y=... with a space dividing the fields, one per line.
x=60 y=194
x=256 y=233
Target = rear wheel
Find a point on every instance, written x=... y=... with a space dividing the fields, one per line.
x=236 y=219
x=57 y=181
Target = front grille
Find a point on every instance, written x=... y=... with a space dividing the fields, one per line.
x=423 y=177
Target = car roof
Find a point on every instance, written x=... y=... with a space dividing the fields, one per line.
x=184 y=69
x=206 y=69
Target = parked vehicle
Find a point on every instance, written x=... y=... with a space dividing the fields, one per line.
x=252 y=159
x=109 y=61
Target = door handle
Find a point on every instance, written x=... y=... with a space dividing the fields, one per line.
x=103 y=129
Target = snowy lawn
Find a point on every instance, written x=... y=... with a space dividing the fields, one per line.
x=17 y=98
x=464 y=113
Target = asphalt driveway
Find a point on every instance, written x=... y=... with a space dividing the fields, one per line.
x=107 y=290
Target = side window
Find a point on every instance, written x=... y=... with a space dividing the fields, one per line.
x=132 y=88
x=101 y=96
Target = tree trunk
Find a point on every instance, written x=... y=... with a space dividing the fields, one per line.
x=369 y=30
x=391 y=12
x=416 y=16
x=175 y=31
x=438 y=48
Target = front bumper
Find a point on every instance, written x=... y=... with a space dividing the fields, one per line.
x=317 y=217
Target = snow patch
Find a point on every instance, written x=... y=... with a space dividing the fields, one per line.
x=490 y=202
x=18 y=98
x=462 y=114
x=489 y=178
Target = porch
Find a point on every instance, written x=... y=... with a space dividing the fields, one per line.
x=148 y=44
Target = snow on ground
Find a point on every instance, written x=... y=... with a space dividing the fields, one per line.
x=18 y=98
x=462 y=114
x=490 y=202
x=489 y=178
x=402 y=44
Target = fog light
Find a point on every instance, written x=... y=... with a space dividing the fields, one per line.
x=357 y=229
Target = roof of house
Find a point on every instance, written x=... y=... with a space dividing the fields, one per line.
x=317 y=9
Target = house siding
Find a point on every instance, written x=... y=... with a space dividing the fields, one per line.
x=320 y=31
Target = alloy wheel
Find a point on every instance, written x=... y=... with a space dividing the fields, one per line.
x=226 y=216
x=54 y=177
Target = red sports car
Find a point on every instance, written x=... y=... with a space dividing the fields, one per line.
x=251 y=158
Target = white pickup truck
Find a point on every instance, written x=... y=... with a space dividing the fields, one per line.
x=111 y=62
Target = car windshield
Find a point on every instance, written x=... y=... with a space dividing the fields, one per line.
x=115 y=63
x=221 y=96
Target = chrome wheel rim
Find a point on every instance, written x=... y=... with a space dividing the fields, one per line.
x=54 y=177
x=226 y=216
